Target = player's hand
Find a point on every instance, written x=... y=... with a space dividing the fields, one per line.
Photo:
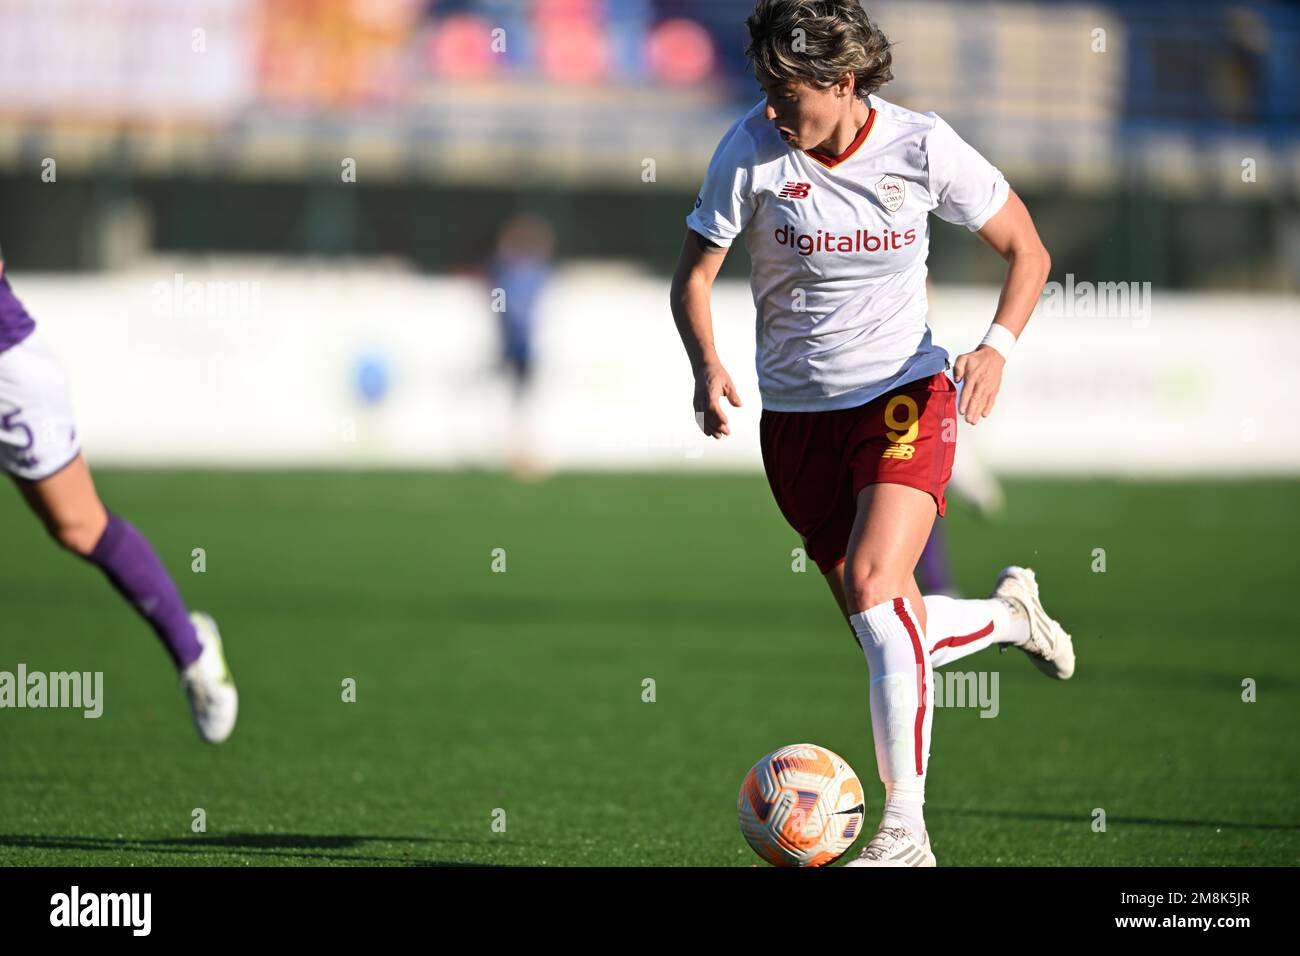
x=981 y=371
x=711 y=383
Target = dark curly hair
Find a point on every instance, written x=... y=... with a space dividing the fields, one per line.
x=836 y=38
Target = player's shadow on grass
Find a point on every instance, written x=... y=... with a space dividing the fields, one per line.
x=305 y=847
x=1111 y=819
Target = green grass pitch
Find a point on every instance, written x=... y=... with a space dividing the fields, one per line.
x=522 y=691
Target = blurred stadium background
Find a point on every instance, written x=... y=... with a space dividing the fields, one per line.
x=237 y=204
x=261 y=234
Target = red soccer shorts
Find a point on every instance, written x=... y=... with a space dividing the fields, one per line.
x=817 y=462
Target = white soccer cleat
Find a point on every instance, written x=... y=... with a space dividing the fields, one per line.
x=1049 y=646
x=896 y=846
x=214 y=702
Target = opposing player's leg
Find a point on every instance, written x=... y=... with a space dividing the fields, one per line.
x=40 y=451
x=69 y=507
x=934 y=570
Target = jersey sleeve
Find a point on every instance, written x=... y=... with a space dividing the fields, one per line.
x=966 y=188
x=726 y=200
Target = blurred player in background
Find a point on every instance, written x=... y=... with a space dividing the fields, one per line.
x=832 y=187
x=972 y=481
x=517 y=275
x=975 y=483
x=40 y=451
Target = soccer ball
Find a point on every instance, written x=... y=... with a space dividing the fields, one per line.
x=801 y=806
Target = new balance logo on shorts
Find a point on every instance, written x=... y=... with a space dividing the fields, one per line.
x=900 y=451
x=795 y=191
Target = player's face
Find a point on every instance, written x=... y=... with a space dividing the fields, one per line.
x=803 y=114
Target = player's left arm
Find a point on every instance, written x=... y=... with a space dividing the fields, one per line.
x=1011 y=234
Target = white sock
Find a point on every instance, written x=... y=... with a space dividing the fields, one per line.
x=958 y=628
x=903 y=802
x=902 y=710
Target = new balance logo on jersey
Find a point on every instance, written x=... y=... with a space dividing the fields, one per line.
x=795 y=191
x=900 y=451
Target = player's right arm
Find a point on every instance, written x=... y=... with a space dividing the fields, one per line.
x=697 y=267
x=722 y=210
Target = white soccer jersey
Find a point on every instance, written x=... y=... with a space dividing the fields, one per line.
x=839 y=247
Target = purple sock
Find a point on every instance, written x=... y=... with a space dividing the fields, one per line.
x=125 y=556
x=933 y=566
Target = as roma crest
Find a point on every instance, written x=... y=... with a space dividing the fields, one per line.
x=891 y=191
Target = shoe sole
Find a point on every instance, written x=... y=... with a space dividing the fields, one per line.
x=927 y=861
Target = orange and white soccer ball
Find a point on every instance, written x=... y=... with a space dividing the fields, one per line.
x=801 y=806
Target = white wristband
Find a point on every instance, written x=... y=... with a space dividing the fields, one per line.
x=1000 y=338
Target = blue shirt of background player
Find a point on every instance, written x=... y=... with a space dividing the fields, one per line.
x=522 y=279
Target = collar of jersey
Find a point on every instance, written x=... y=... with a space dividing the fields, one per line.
x=852 y=148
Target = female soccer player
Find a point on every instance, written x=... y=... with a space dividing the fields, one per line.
x=832 y=187
x=39 y=449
